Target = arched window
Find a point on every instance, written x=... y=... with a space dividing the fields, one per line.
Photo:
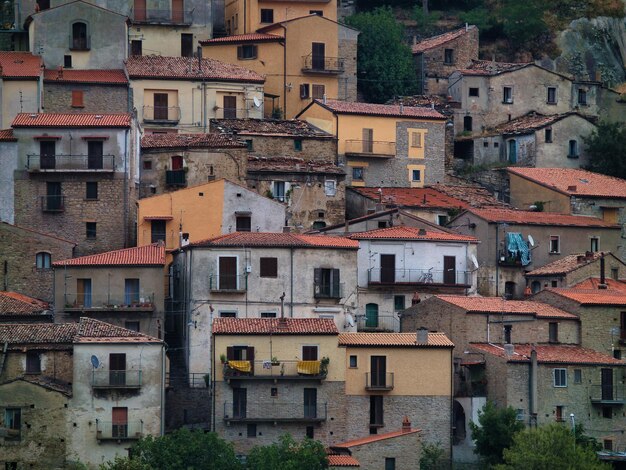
x=43 y=260
x=371 y=316
x=80 y=40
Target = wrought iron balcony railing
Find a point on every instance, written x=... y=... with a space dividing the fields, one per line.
x=130 y=430
x=176 y=178
x=70 y=163
x=192 y=380
x=78 y=302
x=607 y=394
x=161 y=114
x=106 y=378
x=418 y=276
x=161 y=16
x=382 y=382
x=372 y=322
x=52 y=203
x=372 y=148
x=328 y=291
x=275 y=411
x=225 y=283
x=322 y=64
x=277 y=370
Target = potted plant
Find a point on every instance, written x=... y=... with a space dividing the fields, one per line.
x=324 y=365
x=207 y=379
x=275 y=361
x=223 y=358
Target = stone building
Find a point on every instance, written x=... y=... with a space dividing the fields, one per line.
x=173 y=161
x=27 y=256
x=75 y=178
x=19 y=308
x=437 y=57
x=20 y=76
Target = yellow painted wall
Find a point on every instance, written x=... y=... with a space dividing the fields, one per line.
x=417 y=137
x=524 y=193
x=320 y=117
x=351 y=128
x=165 y=40
x=417 y=371
x=285 y=348
x=12 y=92
x=422 y=169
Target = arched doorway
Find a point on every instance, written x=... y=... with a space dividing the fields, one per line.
x=458 y=420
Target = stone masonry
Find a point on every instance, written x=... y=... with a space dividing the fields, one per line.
x=96 y=98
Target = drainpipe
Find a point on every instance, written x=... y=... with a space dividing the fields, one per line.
x=497 y=260
x=284 y=72
x=245 y=19
x=162 y=389
x=291 y=285
x=126 y=176
x=532 y=383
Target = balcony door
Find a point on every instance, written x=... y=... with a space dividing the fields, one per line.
x=117 y=370
x=368 y=140
x=240 y=403
x=371 y=316
x=228 y=273
x=83 y=292
x=378 y=370
x=318 y=55
x=47 y=154
x=230 y=107
x=388 y=269
x=160 y=106
x=310 y=403
x=607 y=384
x=449 y=270
x=178 y=15
x=140 y=10
x=94 y=154
x=119 y=422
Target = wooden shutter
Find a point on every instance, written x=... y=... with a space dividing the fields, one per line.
x=239 y=52
x=335 y=283
x=160 y=106
x=77 y=98
x=317 y=280
x=250 y=357
x=230 y=107
x=230 y=353
x=304 y=90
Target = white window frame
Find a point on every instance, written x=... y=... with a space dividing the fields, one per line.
x=597 y=242
x=43 y=260
x=561 y=374
x=219 y=275
x=330 y=187
x=558 y=240
x=508 y=100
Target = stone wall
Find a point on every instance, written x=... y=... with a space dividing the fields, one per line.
x=348 y=52
x=96 y=98
x=187 y=407
x=313 y=148
x=405 y=450
x=56 y=365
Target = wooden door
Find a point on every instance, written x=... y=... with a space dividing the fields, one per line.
x=47 y=154
x=449 y=270
x=117 y=369
x=160 y=106
x=240 y=405
x=94 y=154
x=607 y=384
x=368 y=140
x=378 y=371
x=230 y=107
x=228 y=273
x=140 y=10
x=318 y=54
x=178 y=15
x=388 y=269
x=119 y=422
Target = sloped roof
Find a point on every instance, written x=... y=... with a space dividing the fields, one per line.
x=335 y=460
x=239 y=38
x=14 y=303
x=267 y=239
x=374 y=438
x=258 y=164
x=476 y=304
x=574 y=182
x=440 y=40
x=411 y=233
x=539 y=218
x=6 y=135
x=614 y=297
x=71 y=120
x=488 y=67
x=552 y=354
x=474 y=195
x=394 y=340
x=188 y=68
x=567 y=264
x=149 y=255
x=275 y=326
x=384 y=110
x=269 y=127
x=42 y=234
x=411 y=197
x=531 y=122
x=209 y=140
x=20 y=65
x=93 y=76
x=593 y=283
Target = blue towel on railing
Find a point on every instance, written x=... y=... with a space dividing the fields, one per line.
x=516 y=245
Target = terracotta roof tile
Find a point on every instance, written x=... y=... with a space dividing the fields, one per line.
x=149 y=255
x=100 y=77
x=574 y=182
x=412 y=197
x=291 y=165
x=268 y=127
x=186 y=68
x=615 y=297
x=476 y=304
x=14 y=303
x=488 y=67
x=539 y=218
x=473 y=195
x=594 y=282
x=96 y=331
x=267 y=239
x=71 y=120
x=565 y=265
x=239 y=38
x=371 y=109
x=6 y=135
x=15 y=65
x=373 y=438
x=529 y=123
x=342 y=461
x=393 y=339
x=552 y=354
x=436 y=41
x=47 y=382
x=265 y=326
x=411 y=233
x=211 y=140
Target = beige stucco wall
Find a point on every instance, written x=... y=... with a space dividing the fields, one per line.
x=18 y=96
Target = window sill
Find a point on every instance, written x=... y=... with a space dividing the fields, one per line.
x=246 y=58
x=548 y=142
x=573 y=156
x=507 y=102
x=77 y=106
x=90 y=199
x=554 y=253
x=551 y=103
x=80 y=49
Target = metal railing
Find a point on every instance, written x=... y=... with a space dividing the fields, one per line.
x=169 y=114
x=377 y=323
x=231 y=113
x=418 y=276
x=275 y=411
x=328 y=291
x=52 y=203
x=78 y=43
x=106 y=378
x=57 y=163
x=106 y=430
x=278 y=370
x=370 y=147
x=176 y=177
x=191 y=380
x=607 y=394
x=161 y=16
x=137 y=302
x=378 y=382
x=322 y=64
x=228 y=282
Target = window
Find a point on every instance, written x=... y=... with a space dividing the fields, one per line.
x=555 y=244
x=560 y=377
x=278 y=190
x=47 y=154
x=473 y=91
x=582 y=96
x=467 y=123
x=131 y=291
x=43 y=4
x=416 y=139
x=319 y=224
x=390 y=463
x=251 y=431
x=617 y=353
x=269 y=267
x=119 y=422
x=186 y=45
x=267 y=15
x=376 y=411
x=240 y=398
x=318 y=92
x=353 y=362
x=416 y=175
x=554 y=284
x=91 y=190
x=316 y=12
x=247 y=52
x=13 y=422
x=297 y=145
x=448 y=56
x=398 y=302
x=268 y=314
x=90 y=230
x=274 y=392
x=135 y=47
x=43 y=260
x=326 y=282
x=132 y=325
x=607 y=444
x=382 y=224
x=33 y=362
x=378 y=372
x=243 y=223
x=573 y=149
x=507 y=334
x=442 y=219
x=147 y=164
x=157 y=231
x=558 y=413
x=507 y=95
x=79 y=40
x=304 y=91
x=551 y=95
x=310 y=430
x=117 y=369
x=227 y=278
x=95 y=152
x=578 y=376
x=548 y=135
x=67 y=61
x=615 y=274
x=309 y=353
x=357 y=173
x=83 y=292
x=310 y=403
x=77 y=99
x=594 y=244
x=228 y=314
x=486 y=143
x=330 y=189
x=607 y=412
x=553 y=332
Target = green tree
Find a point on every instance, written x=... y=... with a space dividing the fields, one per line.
x=523 y=24
x=385 y=64
x=606 y=147
x=287 y=454
x=549 y=447
x=495 y=433
x=433 y=457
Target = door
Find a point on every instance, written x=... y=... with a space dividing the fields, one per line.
x=186 y=45
x=131 y=291
x=117 y=370
x=83 y=292
x=512 y=151
x=371 y=316
x=607 y=384
x=368 y=140
x=240 y=398
x=177 y=162
x=227 y=273
x=47 y=154
x=119 y=422
x=160 y=106
x=230 y=107
x=318 y=54
x=388 y=269
x=54 y=199
x=178 y=15
x=140 y=10
x=94 y=154
x=449 y=270
x=378 y=371
x=310 y=403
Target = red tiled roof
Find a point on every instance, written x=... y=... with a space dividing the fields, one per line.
x=393 y=339
x=14 y=303
x=565 y=265
x=436 y=41
x=96 y=331
x=371 y=109
x=71 y=120
x=474 y=195
x=594 y=282
x=373 y=438
x=149 y=255
x=488 y=67
x=210 y=140
x=100 y=77
x=616 y=297
x=412 y=197
x=552 y=354
x=258 y=164
x=265 y=326
x=530 y=123
x=6 y=135
x=267 y=239
x=238 y=38
x=342 y=461
x=574 y=182
x=186 y=68
x=16 y=65
x=269 y=127
x=410 y=233
x=476 y=304
x=539 y=218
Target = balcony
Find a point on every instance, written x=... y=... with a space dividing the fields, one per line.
x=607 y=394
x=192 y=380
x=161 y=16
x=116 y=379
x=176 y=178
x=70 y=163
x=278 y=370
x=82 y=302
x=228 y=283
x=52 y=203
x=275 y=411
x=369 y=148
x=231 y=113
x=161 y=114
x=327 y=291
x=421 y=277
x=322 y=64
x=379 y=382
x=108 y=431
x=378 y=323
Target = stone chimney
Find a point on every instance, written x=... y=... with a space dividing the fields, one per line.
x=416 y=299
x=422 y=336
x=509 y=349
x=572 y=188
x=406 y=424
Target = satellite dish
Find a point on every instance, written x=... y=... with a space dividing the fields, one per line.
x=531 y=240
x=474 y=260
x=95 y=362
x=256 y=101
x=349 y=320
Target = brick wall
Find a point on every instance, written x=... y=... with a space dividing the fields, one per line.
x=96 y=98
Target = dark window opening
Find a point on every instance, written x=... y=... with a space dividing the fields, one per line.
x=548 y=135
x=573 y=149
x=269 y=267
x=310 y=432
x=80 y=40
x=90 y=230
x=473 y=91
x=316 y=12
x=309 y=353
x=507 y=95
x=507 y=333
x=47 y=154
x=553 y=332
x=267 y=15
x=251 y=431
x=186 y=45
x=67 y=61
x=95 y=152
x=297 y=145
x=376 y=410
x=327 y=283
x=304 y=91
x=157 y=231
x=582 y=97
x=353 y=361
x=551 y=95
x=247 y=52
x=33 y=362
x=448 y=56
x=243 y=223
x=467 y=123
x=132 y=325
x=135 y=48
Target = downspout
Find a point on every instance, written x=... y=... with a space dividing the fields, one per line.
x=126 y=137
x=163 y=389
x=245 y=19
x=39 y=95
x=204 y=104
x=291 y=285
x=451 y=401
x=497 y=260
x=284 y=72
x=532 y=384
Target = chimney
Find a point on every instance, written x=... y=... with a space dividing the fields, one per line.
x=416 y=299
x=588 y=255
x=406 y=425
x=401 y=107
x=414 y=40
x=287 y=229
x=581 y=258
x=572 y=188
x=466 y=27
x=421 y=232
x=509 y=349
x=60 y=72
x=422 y=336
x=602 y=277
